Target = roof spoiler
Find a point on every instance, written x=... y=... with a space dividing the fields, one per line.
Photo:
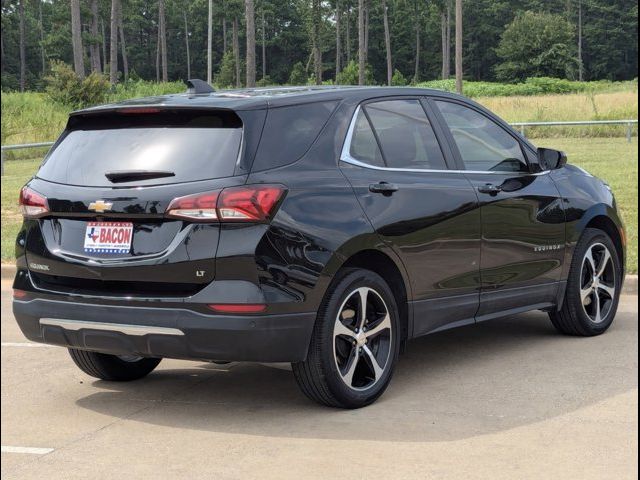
x=196 y=86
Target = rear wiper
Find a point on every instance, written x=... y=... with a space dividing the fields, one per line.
x=131 y=175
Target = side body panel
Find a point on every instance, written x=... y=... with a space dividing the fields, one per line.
x=586 y=198
x=523 y=242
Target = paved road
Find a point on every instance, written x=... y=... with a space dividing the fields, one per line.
x=506 y=399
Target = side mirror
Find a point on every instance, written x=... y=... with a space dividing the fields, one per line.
x=550 y=159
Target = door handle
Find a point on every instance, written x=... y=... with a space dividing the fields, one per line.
x=490 y=188
x=383 y=188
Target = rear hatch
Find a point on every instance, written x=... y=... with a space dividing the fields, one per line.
x=107 y=185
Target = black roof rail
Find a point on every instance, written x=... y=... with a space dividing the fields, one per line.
x=195 y=86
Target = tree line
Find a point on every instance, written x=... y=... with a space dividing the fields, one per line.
x=263 y=42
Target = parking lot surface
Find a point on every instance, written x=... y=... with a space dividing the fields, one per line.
x=503 y=399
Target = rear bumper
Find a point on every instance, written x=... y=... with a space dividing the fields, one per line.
x=165 y=332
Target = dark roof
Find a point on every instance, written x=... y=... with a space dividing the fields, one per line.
x=257 y=98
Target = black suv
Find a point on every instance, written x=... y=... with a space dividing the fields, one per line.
x=319 y=226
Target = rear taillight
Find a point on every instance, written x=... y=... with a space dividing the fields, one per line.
x=32 y=204
x=247 y=203
x=200 y=207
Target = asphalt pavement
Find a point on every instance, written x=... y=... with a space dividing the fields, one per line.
x=505 y=399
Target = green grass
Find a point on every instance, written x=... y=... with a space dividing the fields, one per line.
x=612 y=159
x=16 y=174
x=532 y=86
x=615 y=161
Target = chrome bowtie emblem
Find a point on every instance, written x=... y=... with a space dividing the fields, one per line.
x=100 y=206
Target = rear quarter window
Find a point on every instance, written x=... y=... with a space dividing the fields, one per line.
x=289 y=132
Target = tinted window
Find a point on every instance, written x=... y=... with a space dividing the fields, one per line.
x=364 y=146
x=197 y=148
x=483 y=144
x=406 y=137
x=289 y=132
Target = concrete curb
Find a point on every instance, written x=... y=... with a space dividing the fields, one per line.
x=630 y=283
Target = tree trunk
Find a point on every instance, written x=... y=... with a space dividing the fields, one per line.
x=104 y=46
x=224 y=35
x=264 y=46
x=580 y=68
x=236 y=51
x=361 y=47
x=250 y=21
x=366 y=31
x=163 y=40
x=123 y=45
x=210 y=43
x=186 y=41
x=416 y=74
x=158 y=57
x=76 y=38
x=448 y=49
x=459 y=46
x=315 y=40
x=23 y=61
x=348 y=35
x=113 y=43
x=94 y=47
x=387 y=41
x=443 y=42
x=43 y=56
x=338 y=37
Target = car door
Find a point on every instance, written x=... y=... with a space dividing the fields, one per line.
x=523 y=230
x=396 y=160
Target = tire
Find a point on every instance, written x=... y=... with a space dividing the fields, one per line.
x=339 y=369
x=590 y=305
x=112 y=367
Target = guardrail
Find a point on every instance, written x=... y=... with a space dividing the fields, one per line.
x=521 y=125
x=629 y=124
x=23 y=146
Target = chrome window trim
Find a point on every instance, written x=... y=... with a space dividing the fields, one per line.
x=346 y=157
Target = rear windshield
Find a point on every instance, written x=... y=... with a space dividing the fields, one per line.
x=190 y=145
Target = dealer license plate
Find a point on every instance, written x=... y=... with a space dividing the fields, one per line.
x=108 y=237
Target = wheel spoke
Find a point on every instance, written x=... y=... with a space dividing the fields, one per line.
x=598 y=316
x=362 y=314
x=609 y=290
x=606 y=258
x=589 y=258
x=341 y=329
x=384 y=324
x=351 y=367
x=377 y=369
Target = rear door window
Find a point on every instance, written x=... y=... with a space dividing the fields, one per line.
x=364 y=146
x=193 y=146
x=406 y=137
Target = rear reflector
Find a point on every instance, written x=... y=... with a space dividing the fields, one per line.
x=32 y=204
x=19 y=293
x=237 y=307
x=247 y=203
